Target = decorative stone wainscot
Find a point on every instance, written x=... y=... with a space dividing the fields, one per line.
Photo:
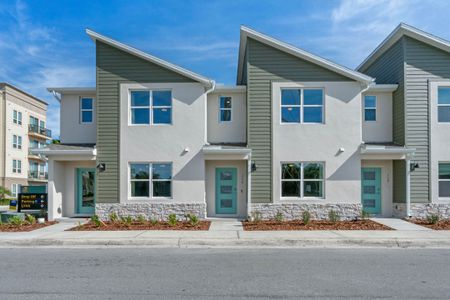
x=159 y=211
x=293 y=211
x=422 y=210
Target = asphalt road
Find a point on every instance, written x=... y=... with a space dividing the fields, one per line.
x=124 y=273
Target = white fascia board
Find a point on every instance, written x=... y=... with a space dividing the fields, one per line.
x=247 y=32
x=226 y=151
x=230 y=89
x=401 y=30
x=48 y=152
x=382 y=88
x=386 y=150
x=165 y=64
x=72 y=90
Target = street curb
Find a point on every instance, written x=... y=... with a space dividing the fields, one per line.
x=229 y=243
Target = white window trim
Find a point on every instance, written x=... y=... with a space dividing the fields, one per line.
x=149 y=180
x=18 y=168
x=439 y=181
x=150 y=107
x=302 y=105
x=440 y=105
x=302 y=180
x=86 y=110
x=365 y=108
x=223 y=109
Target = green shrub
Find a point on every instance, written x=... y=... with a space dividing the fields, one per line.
x=193 y=219
x=433 y=219
x=364 y=215
x=16 y=221
x=333 y=216
x=141 y=219
x=172 y=220
x=30 y=219
x=256 y=216
x=306 y=217
x=128 y=220
x=154 y=221
x=279 y=217
x=95 y=219
x=113 y=217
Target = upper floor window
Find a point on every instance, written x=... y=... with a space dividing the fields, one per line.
x=444 y=180
x=225 y=109
x=370 y=108
x=17 y=166
x=302 y=106
x=17 y=142
x=302 y=180
x=444 y=104
x=17 y=117
x=34 y=121
x=153 y=179
x=151 y=107
x=86 y=110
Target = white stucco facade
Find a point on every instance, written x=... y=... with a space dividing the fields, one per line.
x=380 y=130
x=234 y=131
x=439 y=141
x=322 y=142
x=179 y=143
x=72 y=130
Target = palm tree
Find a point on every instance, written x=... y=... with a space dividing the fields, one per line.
x=4 y=191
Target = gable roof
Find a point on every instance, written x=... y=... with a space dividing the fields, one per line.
x=153 y=59
x=262 y=38
x=403 y=30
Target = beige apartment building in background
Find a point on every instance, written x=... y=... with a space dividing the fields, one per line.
x=22 y=128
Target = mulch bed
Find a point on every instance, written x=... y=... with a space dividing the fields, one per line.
x=111 y=226
x=25 y=227
x=441 y=225
x=314 y=225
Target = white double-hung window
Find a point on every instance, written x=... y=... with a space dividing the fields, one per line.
x=17 y=142
x=443 y=104
x=444 y=180
x=302 y=105
x=225 y=107
x=17 y=117
x=151 y=180
x=150 y=107
x=86 y=110
x=302 y=180
x=370 y=108
x=17 y=166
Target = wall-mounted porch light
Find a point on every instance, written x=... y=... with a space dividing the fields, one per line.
x=413 y=166
x=254 y=166
x=101 y=167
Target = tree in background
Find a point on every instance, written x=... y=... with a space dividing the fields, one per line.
x=4 y=191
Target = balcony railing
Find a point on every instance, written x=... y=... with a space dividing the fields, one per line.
x=37 y=175
x=39 y=130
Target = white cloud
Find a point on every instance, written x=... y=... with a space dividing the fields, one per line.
x=32 y=59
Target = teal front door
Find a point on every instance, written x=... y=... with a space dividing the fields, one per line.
x=226 y=190
x=85 y=191
x=371 y=190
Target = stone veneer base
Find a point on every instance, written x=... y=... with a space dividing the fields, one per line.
x=293 y=211
x=422 y=210
x=159 y=211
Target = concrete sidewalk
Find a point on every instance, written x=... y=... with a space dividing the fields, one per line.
x=226 y=237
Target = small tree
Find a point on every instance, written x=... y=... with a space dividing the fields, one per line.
x=4 y=191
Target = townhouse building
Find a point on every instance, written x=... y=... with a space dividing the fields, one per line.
x=297 y=132
x=22 y=127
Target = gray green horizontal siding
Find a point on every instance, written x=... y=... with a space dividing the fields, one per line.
x=114 y=67
x=388 y=69
x=422 y=63
x=265 y=65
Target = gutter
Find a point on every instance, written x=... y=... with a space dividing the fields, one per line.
x=226 y=151
x=48 y=152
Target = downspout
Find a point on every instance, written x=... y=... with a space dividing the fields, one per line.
x=212 y=88
x=408 y=186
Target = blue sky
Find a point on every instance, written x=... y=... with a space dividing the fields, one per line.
x=43 y=43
